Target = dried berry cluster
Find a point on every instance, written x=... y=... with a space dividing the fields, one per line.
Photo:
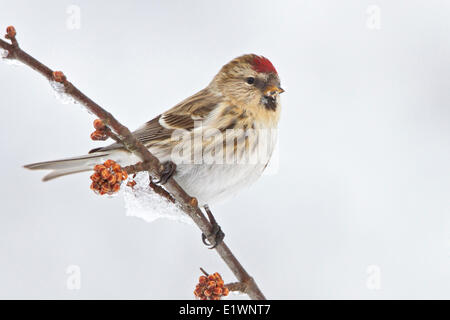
x=101 y=131
x=211 y=287
x=108 y=177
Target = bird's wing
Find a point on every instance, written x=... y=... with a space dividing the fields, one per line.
x=181 y=116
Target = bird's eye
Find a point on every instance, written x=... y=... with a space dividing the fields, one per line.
x=250 y=80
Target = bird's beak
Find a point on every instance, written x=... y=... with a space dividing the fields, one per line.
x=273 y=91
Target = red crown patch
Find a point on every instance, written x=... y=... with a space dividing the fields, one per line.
x=261 y=64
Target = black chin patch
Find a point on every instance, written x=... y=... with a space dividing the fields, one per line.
x=269 y=103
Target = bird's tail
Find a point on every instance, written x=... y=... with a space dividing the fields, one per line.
x=68 y=166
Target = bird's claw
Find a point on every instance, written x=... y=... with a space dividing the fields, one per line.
x=217 y=234
x=167 y=172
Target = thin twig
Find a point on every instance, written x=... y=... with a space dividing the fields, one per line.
x=161 y=191
x=237 y=287
x=112 y=135
x=188 y=204
x=204 y=272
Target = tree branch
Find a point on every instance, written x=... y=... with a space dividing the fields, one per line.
x=188 y=204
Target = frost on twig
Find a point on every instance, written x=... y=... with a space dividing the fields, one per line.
x=3 y=53
x=13 y=62
x=143 y=202
x=60 y=93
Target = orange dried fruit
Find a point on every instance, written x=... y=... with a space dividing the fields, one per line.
x=109 y=163
x=105 y=179
x=210 y=287
x=105 y=174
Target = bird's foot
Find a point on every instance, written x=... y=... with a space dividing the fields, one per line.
x=167 y=172
x=216 y=233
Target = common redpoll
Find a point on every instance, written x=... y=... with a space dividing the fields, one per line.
x=220 y=139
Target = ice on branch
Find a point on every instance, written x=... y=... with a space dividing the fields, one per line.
x=61 y=94
x=12 y=62
x=141 y=201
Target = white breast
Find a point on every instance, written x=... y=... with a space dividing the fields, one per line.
x=213 y=182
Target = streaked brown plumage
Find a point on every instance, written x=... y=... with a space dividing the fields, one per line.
x=241 y=99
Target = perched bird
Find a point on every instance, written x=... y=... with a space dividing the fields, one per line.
x=221 y=138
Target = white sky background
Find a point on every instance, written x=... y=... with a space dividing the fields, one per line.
x=363 y=173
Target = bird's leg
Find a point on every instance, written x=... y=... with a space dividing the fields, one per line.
x=167 y=172
x=216 y=231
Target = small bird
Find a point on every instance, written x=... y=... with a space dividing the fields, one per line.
x=220 y=139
